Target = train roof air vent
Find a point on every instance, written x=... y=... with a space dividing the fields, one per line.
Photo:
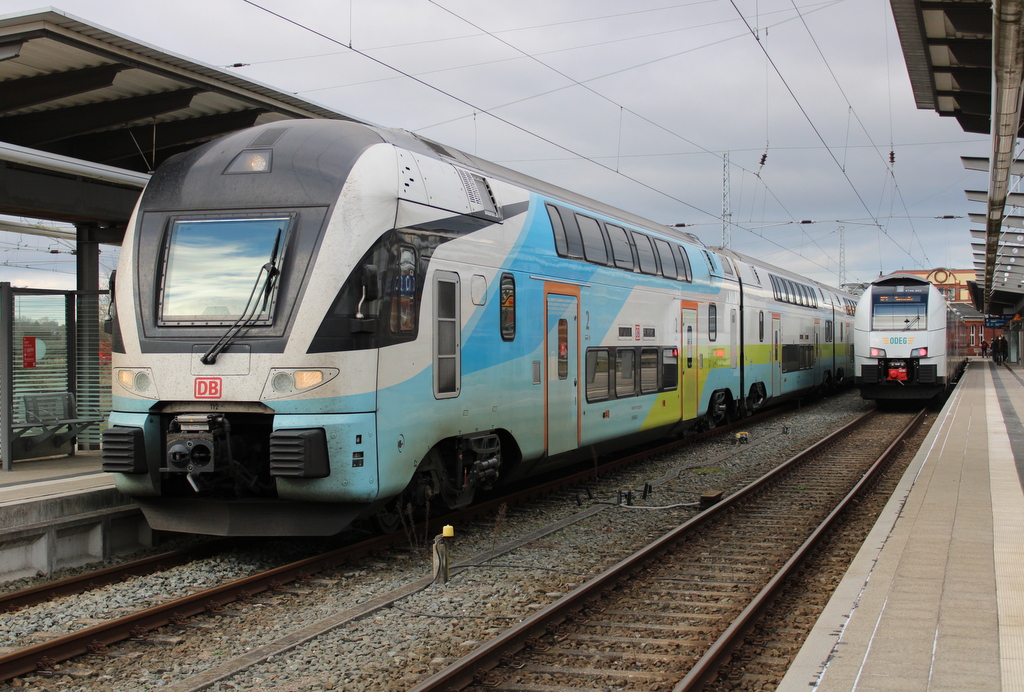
x=268 y=137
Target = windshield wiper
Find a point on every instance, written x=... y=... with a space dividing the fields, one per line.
x=248 y=316
x=911 y=323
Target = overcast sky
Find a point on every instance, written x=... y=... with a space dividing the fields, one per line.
x=634 y=103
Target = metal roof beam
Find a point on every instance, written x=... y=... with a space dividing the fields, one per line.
x=32 y=91
x=113 y=147
x=37 y=129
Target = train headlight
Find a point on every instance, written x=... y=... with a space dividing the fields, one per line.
x=138 y=381
x=919 y=353
x=288 y=381
x=251 y=161
x=282 y=382
x=877 y=352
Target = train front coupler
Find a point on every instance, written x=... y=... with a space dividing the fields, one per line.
x=197 y=444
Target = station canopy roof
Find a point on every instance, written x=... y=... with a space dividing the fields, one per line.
x=86 y=114
x=967 y=62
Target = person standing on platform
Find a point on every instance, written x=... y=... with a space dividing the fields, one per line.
x=984 y=348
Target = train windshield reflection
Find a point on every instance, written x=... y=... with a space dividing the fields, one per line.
x=212 y=265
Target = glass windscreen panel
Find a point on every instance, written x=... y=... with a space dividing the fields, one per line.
x=899 y=308
x=214 y=269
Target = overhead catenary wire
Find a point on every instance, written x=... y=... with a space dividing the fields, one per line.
x=578 y=155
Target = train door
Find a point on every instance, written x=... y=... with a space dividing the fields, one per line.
x=561 y=393
x=819 y=363
x=776 y=357
x=689 y=373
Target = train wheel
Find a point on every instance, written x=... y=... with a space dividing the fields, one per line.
x=388 y=518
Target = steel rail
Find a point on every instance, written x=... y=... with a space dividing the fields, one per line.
x=473 y=668
x=706 y=669
x=80 y=583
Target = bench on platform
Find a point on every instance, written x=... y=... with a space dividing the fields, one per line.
x=54 y=417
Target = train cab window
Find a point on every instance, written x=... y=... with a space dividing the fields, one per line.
x=668 y=262
x=594 y=249
x=648 y=370
x=211 y=266
x=507 y=308
x=625 y=372
x=567 y=236
x=598 y=374
x=622 y=252
x=648 y=262
x=447 y=365
x=403 y=292
x=685 y=272
x=712 y=322
x=669 y=368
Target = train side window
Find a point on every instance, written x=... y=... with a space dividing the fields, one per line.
x=648 y=263
x=760 y=326
x=648 y=370
x=403 y=297
x=598 y=374
x=567 y=236
x=669 y=368
x=776 y=291
x=563 y=349
x=621 y=250
x=561 y=247
x=828 y=331
x=594 y=249
x=726 y=266
x=686 y=272
x=625 y=372
x=507 y=309
x=447 y=363
x=712 y=322
x=668 y=262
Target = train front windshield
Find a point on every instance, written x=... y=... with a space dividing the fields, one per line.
x=899 y=308
x=216 y=268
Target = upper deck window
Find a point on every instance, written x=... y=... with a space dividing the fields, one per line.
x=215 y=270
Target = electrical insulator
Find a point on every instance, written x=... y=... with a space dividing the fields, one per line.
x=764 y=157
x=892 y=157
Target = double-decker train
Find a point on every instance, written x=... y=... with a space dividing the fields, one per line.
x=317 y=321
x=910 y=344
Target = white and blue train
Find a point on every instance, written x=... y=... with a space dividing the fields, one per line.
x=910 y=344
x=319 y=321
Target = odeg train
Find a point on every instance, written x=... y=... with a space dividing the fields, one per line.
x=316 y=322
x=910 y=344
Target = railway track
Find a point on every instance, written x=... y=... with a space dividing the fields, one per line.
x=667 y=617
x=44 y=657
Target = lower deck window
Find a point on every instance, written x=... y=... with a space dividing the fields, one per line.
x=613 y=372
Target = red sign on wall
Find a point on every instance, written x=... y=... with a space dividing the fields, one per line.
x=28 y=351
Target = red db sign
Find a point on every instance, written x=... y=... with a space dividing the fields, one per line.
x=208 y=388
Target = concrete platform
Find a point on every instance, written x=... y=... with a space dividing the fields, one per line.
x=63 y=512
x=934 y=600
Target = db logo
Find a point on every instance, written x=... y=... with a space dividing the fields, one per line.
x=208 y=388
